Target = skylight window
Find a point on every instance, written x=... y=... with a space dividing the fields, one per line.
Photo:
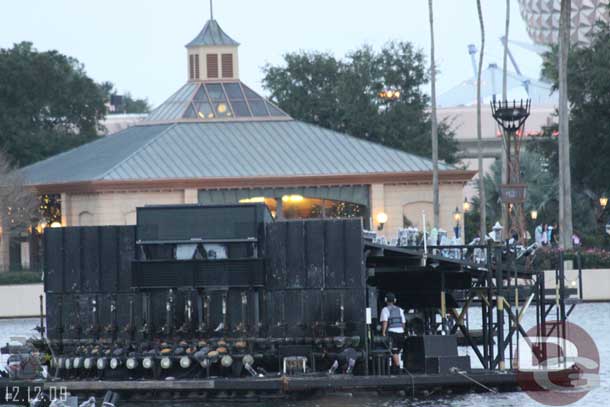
x=228 y=100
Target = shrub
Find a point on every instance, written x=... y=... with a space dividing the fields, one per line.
x=591 y=258
x=20 y=277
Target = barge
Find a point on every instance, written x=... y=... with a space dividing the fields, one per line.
x=215 y=302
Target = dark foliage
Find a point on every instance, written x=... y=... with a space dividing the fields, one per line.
x=343 y=95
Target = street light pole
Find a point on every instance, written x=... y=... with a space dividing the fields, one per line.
x=482 y=199
x=565 y=183
x=457 y=217
x=504 y=163
x=433 y=119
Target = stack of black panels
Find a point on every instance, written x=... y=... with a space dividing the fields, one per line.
x=315 y=278
x=307 y=280
x=87 y=269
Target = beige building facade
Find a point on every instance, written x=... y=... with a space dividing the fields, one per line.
x=401 y=202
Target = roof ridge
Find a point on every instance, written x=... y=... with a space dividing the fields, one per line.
x=137 y=151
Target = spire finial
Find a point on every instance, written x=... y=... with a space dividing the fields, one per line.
x=211 y=9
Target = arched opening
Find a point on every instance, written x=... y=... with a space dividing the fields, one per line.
x=412 y=214
x=85 y=218
x=130 y=218
x=341 y=201
x=301 y=207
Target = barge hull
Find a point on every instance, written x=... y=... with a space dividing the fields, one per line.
x=302 y=384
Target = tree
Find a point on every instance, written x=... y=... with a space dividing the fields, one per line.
x=589 y=75
x=589 y=125
x=47 y=104
x=343 y=95
x=433 y=120
x=18 y=208
x=483 y=220
x=565 y=181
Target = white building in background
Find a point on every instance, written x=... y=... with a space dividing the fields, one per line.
x=113 y=123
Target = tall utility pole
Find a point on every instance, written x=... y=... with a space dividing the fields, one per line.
x=483 y=201
x=565 y=182
x=433 y=119
x=504 y=160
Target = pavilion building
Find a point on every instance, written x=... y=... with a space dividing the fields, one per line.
x=216 y=141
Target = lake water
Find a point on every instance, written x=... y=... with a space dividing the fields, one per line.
x=594 y=318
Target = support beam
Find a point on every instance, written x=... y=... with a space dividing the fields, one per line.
x=500 y=307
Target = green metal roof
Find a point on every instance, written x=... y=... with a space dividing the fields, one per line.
x=211 y=34
x=223 y=150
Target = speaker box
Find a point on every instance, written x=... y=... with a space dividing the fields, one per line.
x=419 y=348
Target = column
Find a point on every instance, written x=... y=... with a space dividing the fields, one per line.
x=66 y=216
x=4 y=247
x=377 y=199
x=191 y=196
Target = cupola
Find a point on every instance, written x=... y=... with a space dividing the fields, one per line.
x=212 y=55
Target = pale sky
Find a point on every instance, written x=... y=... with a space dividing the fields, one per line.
x=139 y=45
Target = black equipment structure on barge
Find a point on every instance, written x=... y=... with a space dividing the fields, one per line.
x=227 y=296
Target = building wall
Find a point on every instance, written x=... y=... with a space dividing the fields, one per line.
x=19 y=301
x=394 y=199
x=116 y=208
x=595 y=283
x=5 y=263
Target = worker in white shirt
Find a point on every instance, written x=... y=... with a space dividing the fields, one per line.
x=393 y=325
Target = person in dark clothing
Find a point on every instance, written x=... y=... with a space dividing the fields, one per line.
x=393 y=325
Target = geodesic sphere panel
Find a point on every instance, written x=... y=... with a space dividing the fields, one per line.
x=542 y=19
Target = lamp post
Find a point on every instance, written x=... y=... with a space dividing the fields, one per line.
x=466 y=206
x=382 y=218
x=457 y=217
x=603 y=202
x=534 y=216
